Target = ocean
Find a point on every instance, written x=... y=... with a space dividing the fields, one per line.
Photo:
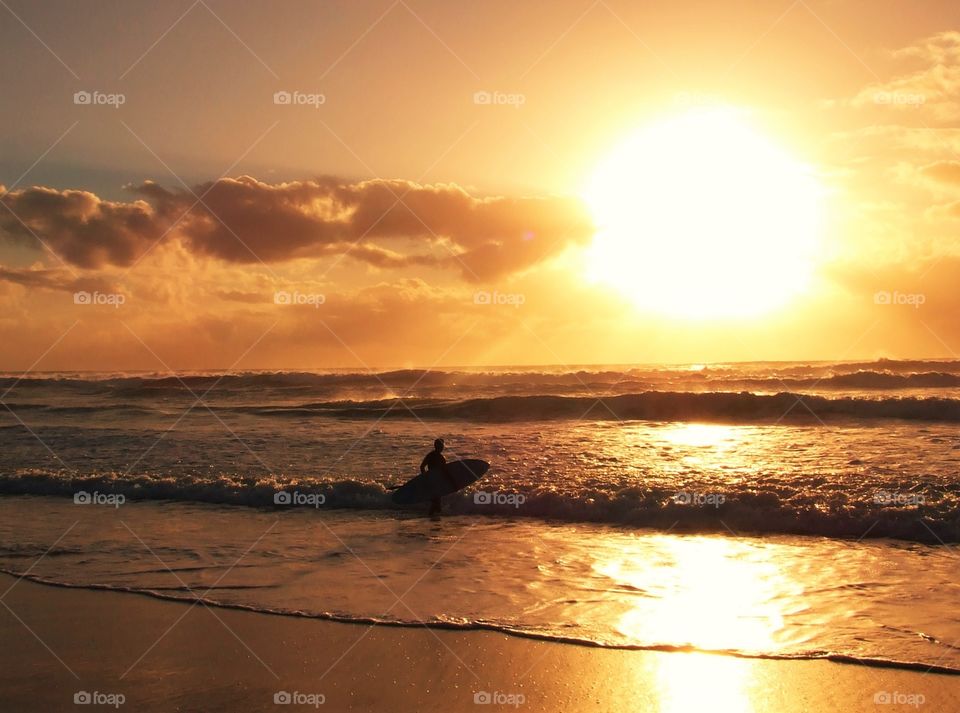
x=797 y=510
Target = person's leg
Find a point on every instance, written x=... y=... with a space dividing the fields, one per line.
x=435 y=506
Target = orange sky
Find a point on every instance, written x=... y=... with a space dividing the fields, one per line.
x=366 y=227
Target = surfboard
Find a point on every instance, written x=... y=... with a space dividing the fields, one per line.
x=436 y=483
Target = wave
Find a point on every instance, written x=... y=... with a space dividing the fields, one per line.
x=864 y=380
x=652 y=405
x=483 y=625
x=873 y=374
x=287 y=379
x=723 y=406
x=931 y=519
x=123 y=409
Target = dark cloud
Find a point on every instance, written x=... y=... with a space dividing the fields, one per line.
x=80 y=227
x=245 y=220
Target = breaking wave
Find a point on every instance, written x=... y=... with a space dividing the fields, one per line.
x=931 y=519
x=651 y=405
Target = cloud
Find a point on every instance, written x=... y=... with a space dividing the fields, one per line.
x=947 y=210
x=933 y=85
x=57 y=279
x=78 y=226
x=247 y=221
x=942 y=172
x=942 y=48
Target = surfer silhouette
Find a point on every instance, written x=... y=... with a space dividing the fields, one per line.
x=438 y=478
x=434 y=460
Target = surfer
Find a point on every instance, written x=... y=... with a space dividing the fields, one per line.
x=434 y=460
x=437 y=478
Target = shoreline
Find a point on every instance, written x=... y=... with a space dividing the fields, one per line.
x=843 y=659
x=166 y=655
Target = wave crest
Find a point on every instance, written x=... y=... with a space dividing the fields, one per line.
x=651 y=405
x=931 y=520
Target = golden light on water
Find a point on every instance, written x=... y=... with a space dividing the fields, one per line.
x=707 y=446
x=710 y=594
x=714 y=435
x=706 y=593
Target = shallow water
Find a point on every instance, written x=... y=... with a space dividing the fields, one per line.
x=769 y=596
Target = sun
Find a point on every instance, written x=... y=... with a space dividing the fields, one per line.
x=701 y=216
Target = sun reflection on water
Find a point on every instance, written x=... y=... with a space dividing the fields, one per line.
x=705 y=592
x=709 y=593
x=706 y=447
x=699 y=435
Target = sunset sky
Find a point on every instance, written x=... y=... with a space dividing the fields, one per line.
x=627 y=182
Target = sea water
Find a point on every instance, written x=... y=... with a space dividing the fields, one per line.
x=798 y=510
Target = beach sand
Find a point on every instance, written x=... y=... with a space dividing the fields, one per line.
x=169 y=656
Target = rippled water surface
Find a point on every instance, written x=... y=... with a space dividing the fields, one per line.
x=772 y=596
x=763 y=509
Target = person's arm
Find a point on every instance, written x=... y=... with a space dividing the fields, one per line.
x=423 y=465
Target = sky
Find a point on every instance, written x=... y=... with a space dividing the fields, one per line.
x=310 y=185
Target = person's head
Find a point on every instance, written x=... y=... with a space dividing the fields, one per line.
x=438 y=445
